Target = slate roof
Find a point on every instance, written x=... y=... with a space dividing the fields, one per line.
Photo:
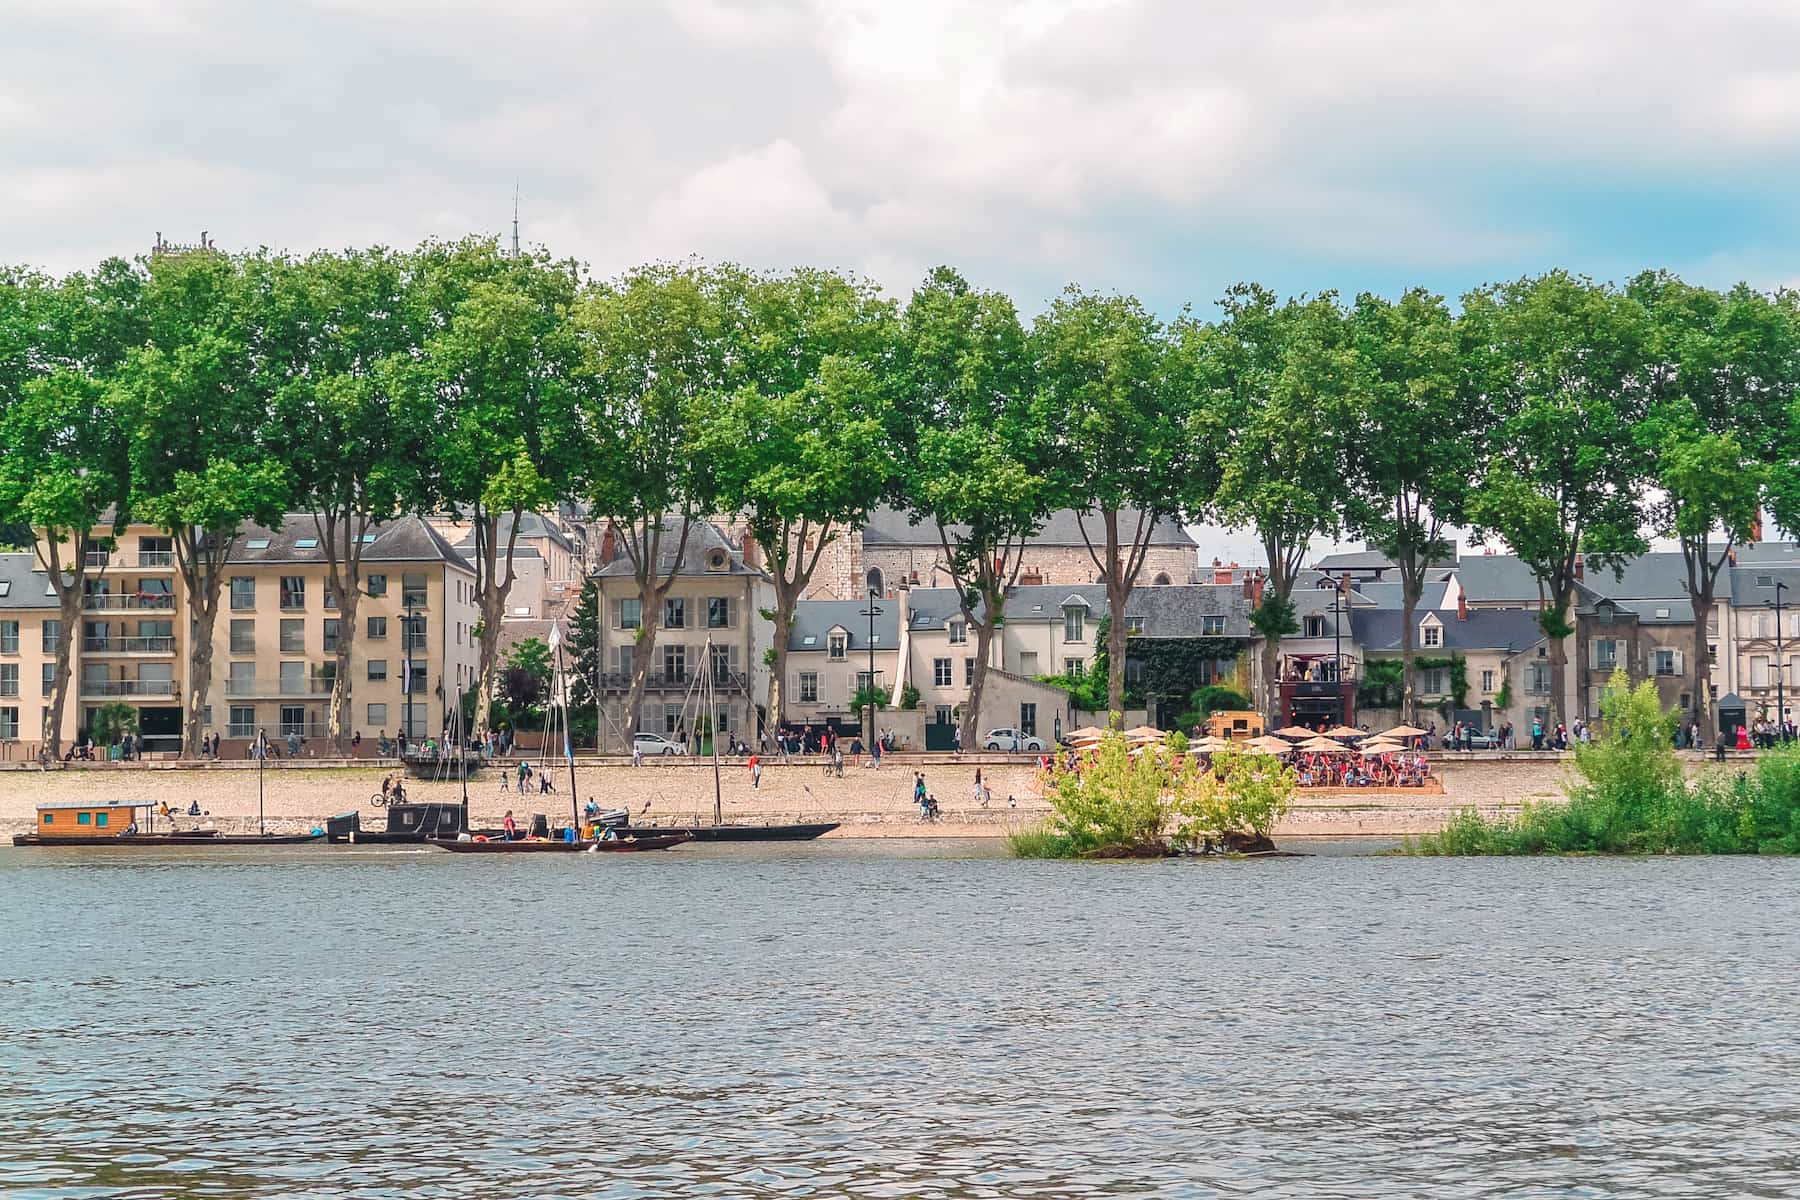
x=1757 y=553
x=407 y=539
x=1496 y=578
x=531 y=525
x=1511 y=629
x=1371 y=559
x=704 y=536
x=1661 y=575
x=1746 y=590
x=813 y=619
x=891 y=527
x=1387 y=595
x=1168 y=610
x=1652 y=612
x=22 y=585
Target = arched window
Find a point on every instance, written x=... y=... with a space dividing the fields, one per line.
x=1161 y=577
x=875 y=581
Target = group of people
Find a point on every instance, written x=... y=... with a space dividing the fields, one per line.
x=545 y=784
x=1394 y=768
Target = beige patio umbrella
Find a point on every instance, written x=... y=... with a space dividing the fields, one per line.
x=1270 y=745
x=1294 y=731
x=1344 y=731
x=1087 y=733
x=1144 y=732
x=1322 y=745
x=1210 y=743
x=1381 y=746
x=1403 y=731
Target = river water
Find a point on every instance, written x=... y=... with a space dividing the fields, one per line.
x=894 y=1019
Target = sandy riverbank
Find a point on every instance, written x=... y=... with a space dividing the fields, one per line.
x=867 y=803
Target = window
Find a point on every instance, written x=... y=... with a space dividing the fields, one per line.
x=1134 y=671
x=242 y=680
x=675 y=664
x=1212 y=626
x=1487 y=681
x=1074 y=668
x=1134 y=625
x=412 y=678
x=378 y=715
x=1028 y=720
x=1433 y=635
x=1537 y=678
x=332 y=628
x=49 y=678
x=809 y=687
x=1072 y=624
x=243 y=637
x=675 y=613
x=864 y=680
x=243 y=721
x=84 y=818
x=378 y=585
x=1315 y=627
x=377 y=670
x=1432 y=681
x=874 y=580
x=293 y=720
x=1712 y=652
x=1664 y=661
x=1759 y=670
x=100 y=819
x=959 y=633
x=1028 y=663
x=1765 y=581
x=412 y=590
x=840 y=643
x=293 y=679
x=306 y=543
x=293 y=636
x=257 y=544
x=412 y=633
x=723 y=660
x=9 y=679
x=243 y=593
x=1606 y=654
x=293 y=591
x=52 y=636
x=622 y=661
x=969 y=672
x=378 y=627
x=940 y=672
x=718 y=612
x=9 y=637
x=627 y=614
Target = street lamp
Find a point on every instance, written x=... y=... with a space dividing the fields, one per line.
x=1780 y=669
x=1338 y=607
x=874 y=610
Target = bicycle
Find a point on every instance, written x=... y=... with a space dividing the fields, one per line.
x=383 y=799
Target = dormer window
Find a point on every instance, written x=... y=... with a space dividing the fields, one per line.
x=959 y=632
x=1431 y=635
x=1073 y=624
x=840 y=644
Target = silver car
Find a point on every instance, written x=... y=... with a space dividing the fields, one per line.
x=1014 y=741
x=652 y=744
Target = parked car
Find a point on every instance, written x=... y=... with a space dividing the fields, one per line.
x=652 y=744
x=1013 y=740
x=1482 y=740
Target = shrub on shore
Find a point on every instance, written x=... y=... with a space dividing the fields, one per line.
x=1632 y=798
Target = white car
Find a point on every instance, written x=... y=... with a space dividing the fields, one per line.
x=651 y=744
x=1013 y=740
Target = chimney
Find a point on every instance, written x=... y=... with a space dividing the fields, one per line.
x=1578 y=566
x=1462 y=607
x=752 y=553
x=1223 y=574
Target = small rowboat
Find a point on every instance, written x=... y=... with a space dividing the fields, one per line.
x=553 y=846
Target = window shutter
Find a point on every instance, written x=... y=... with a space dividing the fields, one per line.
x=616 y=608
x=1678 y=666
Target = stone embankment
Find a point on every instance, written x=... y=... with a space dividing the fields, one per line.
x=868 y=802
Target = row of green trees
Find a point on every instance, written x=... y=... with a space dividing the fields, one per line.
x=196 y=391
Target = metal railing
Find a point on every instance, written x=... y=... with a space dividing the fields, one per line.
x=310 y=686
x=128 y=687
x=152 y=644
x=615 y=681
x=156 y=558
x=127 y=601
x=241 y=687
x=96 y=559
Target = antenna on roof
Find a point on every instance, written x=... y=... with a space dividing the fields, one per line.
x=515 y=247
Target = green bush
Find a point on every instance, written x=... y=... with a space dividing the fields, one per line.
x=1178 y=742
x=1038 y=842
x=909 y=697
x=1633 y=799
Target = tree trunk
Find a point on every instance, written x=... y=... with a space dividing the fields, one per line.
x=784 y=628
x=984 y=640
x=1115 y=655
x=68 y=610
x=202 y=608
x=1409 y=700
x=1700 y=671
x=493 y=590
x=342 y=713
x=1271 y=671
x=1559 y=669
x=642 y=650
x=489 y=655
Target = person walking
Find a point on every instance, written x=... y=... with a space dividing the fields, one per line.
x=755 y=765
x=978 y=789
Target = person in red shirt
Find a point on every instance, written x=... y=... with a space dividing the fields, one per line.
x=511 y=828
x=755 y=765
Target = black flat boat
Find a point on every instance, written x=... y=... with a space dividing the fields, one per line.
x=804 y=832
x=406 y=823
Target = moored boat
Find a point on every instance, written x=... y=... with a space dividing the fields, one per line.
x=800 y=832
x=622 y=845
x=406 y=823
x=115 y=825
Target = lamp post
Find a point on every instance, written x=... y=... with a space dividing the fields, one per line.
x=1780 y=670
x=874 y=610
x=1337 y=642
x=406 y=692
x=262 y=756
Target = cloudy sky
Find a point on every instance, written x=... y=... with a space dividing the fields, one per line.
x=1159 y=147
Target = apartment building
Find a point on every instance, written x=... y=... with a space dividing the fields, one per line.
x=275 y=643
x=828 y=659
x=711 y=623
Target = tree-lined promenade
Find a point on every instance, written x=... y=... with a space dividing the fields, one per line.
x=199 y=390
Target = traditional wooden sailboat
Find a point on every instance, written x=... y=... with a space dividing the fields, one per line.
x=116 y=826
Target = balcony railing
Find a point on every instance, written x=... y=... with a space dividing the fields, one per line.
x=725 y=681
x=100 y=688
x=156 y=558
x=154 y=644
x=242 y=687
x=127 y=601
x=95 y=559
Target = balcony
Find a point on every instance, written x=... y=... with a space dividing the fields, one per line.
x=724 y=681
x=128 y=602
x=95 y=560
x=164 y=644
x=101 y=689
x=310 y=686
x=156 y=558
x=242 y=687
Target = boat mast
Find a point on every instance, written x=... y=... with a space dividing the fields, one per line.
x=559 y=685
x=462 y=758
x=262 y=755
x=712 y=729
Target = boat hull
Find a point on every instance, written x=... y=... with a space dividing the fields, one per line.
x=189 y=840
x=804 y=832
x=621 y=846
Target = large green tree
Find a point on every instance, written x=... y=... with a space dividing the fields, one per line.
x=194 y=398
x=799 y=445
x=1418 y=437
x=1560 y=362
x=1284 y=382
x=976 y=450
x=494 y=392
x=1122 y=440
x=1722 y=374
x=656 y=349
x=345 y=328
